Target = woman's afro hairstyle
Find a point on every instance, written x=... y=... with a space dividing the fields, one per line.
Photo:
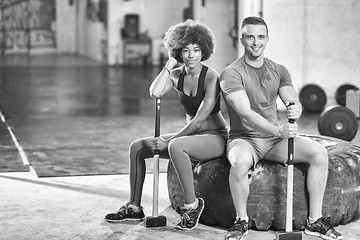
x=189 y=32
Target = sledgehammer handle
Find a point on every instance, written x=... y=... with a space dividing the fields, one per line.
x=156 y=161
x=157 y=117
x=290 y=182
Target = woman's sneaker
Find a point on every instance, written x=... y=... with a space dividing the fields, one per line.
x=125 y=213
x=190 y=217
x=238 y=230
x=322 y=228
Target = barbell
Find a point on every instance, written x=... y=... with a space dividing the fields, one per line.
x=339 y=122
x=312 y=98
x=335 y=121
x=340 y=94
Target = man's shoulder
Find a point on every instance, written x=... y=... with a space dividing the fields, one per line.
x=273 y=64
x=237 y=63
x=235 y=66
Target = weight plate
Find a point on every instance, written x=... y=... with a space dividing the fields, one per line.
x=339 y=122
x=341 y=93
x=312 y=98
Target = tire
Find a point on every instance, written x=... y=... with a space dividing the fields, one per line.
x=267 y=199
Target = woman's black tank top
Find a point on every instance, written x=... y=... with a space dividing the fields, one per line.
x=192 y=104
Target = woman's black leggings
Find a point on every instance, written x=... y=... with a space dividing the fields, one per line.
x=199 y=148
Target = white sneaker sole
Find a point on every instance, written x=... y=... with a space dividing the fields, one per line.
x=123 y=220
x=316 y=234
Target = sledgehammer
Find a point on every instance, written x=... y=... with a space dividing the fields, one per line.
x=289 y=234
x=155 y=220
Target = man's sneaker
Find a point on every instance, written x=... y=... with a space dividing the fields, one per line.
x=190 y=217
x=238 y=230
x=322 y=228
x=125 y=213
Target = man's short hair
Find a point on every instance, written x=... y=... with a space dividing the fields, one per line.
x=254 y=21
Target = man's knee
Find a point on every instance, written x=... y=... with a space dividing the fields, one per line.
x=318 y=155
x=241 y=162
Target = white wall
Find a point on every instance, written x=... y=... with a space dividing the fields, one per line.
x=90 y=32
x=75 y=33
x=155 y=18
x=219 y=15
x=65 y=27
x=316 y=40
x=78 y=35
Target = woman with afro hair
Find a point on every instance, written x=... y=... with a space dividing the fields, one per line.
x=202 y=138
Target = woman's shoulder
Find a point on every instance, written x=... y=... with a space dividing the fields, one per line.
x=211 y=73
x=175 y=74
x=177 y=69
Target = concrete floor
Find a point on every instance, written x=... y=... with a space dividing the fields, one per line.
x=74 y=207
x=48 y=87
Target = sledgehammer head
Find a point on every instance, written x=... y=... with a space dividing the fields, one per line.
x=159 y=221
x=296 y=235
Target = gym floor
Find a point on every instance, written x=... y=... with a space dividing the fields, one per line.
x=59 y=101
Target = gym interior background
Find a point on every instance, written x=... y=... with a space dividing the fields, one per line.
x=74 y=78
